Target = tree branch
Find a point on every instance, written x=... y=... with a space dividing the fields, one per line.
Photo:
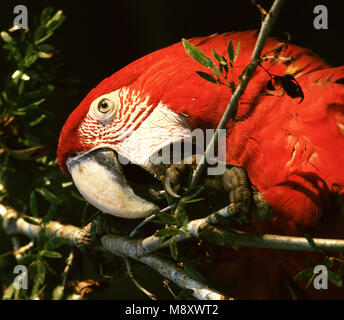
x=118 y=245
x=251 y=68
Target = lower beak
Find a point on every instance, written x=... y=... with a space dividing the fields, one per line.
x=99 y=177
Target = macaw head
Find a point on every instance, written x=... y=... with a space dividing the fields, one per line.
x=110 y=128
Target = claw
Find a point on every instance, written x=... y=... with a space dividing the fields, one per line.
x=168 y=187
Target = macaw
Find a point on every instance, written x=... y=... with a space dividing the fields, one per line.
x=292 y=149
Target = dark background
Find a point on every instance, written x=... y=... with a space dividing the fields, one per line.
x=100 y=37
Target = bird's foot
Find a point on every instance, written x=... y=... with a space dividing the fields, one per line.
x=244 y=199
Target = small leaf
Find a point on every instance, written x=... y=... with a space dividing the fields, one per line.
x=31 y=221
x=304 y=274
x=206 y=76
x=191 y=193
x=311 y=242
x=37 y=121
x=33 y=204
x=55 y=21
x=45 y=48
x=168 y=232
x=335 y=279
x=341 y=271
x=167 y=219
x=186 y=294
x=192 y=272
x=45 y=55
x=77 y=196
x=56 y=242
x=237 y=50
x=52 y=198
x=40 y=34
x=5 y=36
x=50 y=254
x=51 y=213
x=310 y=280
x=230 y=51
x=195 y=53
x=174 y=249
x=57 y=293
x=46 y=15
x=214 y=68
x=221 y=59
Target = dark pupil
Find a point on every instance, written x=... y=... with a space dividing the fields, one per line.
x=104 y=105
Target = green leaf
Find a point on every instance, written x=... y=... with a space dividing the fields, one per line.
x=9 y=292
x=46 y=15
x=57 y=293
x=33 y=204
x=168 y=232
x=304 y=274
x=192 y=272
x=45 y=48
x=341 y=271
x=195 y=53
x=186 y=294
x=167 y=219
x=31 y=221
x=30 y=55
x=40 y=34
x=50 y=254
x=191 y=193
x=37 y=269
x=237 y=50
x=28 y=108
x=37 y=120
x=174 y=249
x=311 y=242
x=55 y=24
x=335 y=279
x=55 y=21
x=310 y=280
x=56 y=242
x=206 y=76
x=182 y=216
x=214 y=68
x=217 y=56
x=77 y=196
x=49 y=196
x=230 y=51
x=51 y=213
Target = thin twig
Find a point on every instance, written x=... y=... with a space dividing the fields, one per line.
x=262 y=37
x=137 y=284
x=69 y=262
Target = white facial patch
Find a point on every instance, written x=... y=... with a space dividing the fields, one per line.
x=161 y=128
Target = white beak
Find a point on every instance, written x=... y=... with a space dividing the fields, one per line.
x=99 y=177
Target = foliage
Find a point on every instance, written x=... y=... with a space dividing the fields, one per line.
x=30 y=179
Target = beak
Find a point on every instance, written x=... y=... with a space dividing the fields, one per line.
x=99 y=177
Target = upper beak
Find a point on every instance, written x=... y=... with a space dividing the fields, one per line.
x=99 y=177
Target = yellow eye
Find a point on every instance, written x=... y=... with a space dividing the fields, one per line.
x=105 y=105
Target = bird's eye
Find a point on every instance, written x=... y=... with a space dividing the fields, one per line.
x=105 y=105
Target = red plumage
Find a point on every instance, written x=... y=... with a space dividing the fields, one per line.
x=293 y=152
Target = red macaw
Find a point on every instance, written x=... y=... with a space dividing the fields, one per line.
x=292 y=149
